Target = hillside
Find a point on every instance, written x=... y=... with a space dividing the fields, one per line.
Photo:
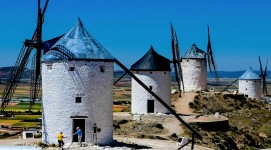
x=6 y=71
x=249 y=121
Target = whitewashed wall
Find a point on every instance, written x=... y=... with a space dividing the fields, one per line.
x=160 y=81
x=59 y=89
x=194 y=74
x=252 y=88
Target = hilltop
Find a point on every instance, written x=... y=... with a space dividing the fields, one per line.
x=6 y=71
x=249 y=121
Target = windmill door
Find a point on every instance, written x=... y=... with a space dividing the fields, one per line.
x=81 y=124
x=150 y=106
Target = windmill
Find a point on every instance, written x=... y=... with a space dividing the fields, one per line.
x=263 y=75
x=191 y=70
x=176 y=59
x=21 y=63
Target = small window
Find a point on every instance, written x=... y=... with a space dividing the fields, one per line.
x=246 y=80
x=101 y=68
x=150 y=72
x=71 y=69
x=165 y=72
x=137 y=72
x=150 y=87
x=49 y=67
x=78 y=99
x=246 y=88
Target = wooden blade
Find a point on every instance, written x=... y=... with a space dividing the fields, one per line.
x=211 y=60
x=175 y=56
x=209 y=63
x=261 y=69
x=264 y=80
x=265 y=68
x=264 y=88
x=178 y=62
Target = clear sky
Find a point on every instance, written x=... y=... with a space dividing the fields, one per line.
x=240 y=29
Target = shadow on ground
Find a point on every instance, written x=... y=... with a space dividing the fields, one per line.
x=129 y=145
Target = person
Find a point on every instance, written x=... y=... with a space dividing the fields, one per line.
x=95 y=134
x=79 y=133
x=60 y=139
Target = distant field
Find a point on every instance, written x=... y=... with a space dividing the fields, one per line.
x=22 y=90
x=20 y=121
x=24 y=107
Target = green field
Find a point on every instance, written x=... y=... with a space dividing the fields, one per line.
x=24 y=106
x=22 y=91
x=20 y=121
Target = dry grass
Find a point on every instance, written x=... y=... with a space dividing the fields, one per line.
x=120 y=108
x=249 y=121
x=22 y=90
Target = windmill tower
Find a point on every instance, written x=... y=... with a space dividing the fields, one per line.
x=77 y=92
x=250 y=84
x=153 y=70
x=194 y=67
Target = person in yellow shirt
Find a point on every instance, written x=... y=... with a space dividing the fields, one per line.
x=60 y=139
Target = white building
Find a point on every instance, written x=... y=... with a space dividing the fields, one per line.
x=154 y=71
x=194 y=69
x=250 y=84
x=77 y=93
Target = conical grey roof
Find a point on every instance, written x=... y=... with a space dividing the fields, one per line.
x=83 y=45
x=194 y=52
x=250 y=75
x=152 y=61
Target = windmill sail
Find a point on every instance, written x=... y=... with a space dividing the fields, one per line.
x=176 y=58
x=210 y=57
x=263 y=75
x=22 y=61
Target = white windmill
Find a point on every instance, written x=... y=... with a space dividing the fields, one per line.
x=78 y=91
x=154 y=71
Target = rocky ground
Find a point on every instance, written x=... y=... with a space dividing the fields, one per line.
x=121 y=144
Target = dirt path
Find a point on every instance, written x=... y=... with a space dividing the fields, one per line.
x=144 y=143
x=16 y=141
x=173 y=126
x=182 y=103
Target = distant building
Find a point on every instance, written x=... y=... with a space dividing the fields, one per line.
x=77 y=93
x=154 y=71
x=250 y=84
x=194 y=69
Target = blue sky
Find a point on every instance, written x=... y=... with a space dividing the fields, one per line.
x=240 y=29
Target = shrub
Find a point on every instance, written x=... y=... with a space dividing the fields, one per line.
x=174 y=135
x=141 y=136
x=40 y=144
x=159 y=126
x=37 y=135
x=123 y=121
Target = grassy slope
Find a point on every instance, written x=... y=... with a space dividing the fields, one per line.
x=249 y=121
